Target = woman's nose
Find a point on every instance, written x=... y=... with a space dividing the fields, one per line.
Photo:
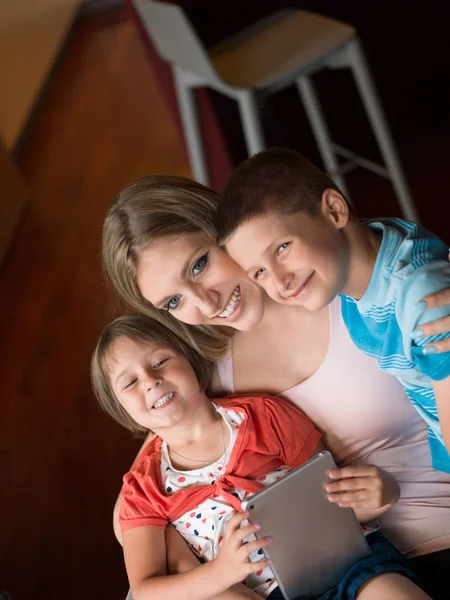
x=208 y=301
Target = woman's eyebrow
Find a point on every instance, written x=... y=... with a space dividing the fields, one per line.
x=184 y=273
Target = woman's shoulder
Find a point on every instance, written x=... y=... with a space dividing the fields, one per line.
x=252 y=402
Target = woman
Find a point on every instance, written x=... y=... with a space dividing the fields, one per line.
x=160 y=254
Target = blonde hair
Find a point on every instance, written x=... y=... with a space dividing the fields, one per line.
x=138 y=328
x=148 y=209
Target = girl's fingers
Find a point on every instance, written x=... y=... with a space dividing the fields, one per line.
x=234 y=523
x=239 y=535
x=254 y=546
x=260 y=564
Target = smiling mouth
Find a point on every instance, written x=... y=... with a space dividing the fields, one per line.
x=232 y=304
x=163 y=400
x=299 y=291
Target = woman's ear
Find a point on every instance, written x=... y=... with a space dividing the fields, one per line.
x=335 y=208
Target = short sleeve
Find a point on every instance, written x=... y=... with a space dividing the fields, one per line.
x=295 y=433
x=136 y=510
x=428 y=279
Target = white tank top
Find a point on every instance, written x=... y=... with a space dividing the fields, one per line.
x=365 y=416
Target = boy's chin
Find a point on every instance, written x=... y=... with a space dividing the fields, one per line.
x=314 y=304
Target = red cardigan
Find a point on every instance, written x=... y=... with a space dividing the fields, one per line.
x=273 y=433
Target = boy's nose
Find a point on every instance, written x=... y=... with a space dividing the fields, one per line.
x=280 y=280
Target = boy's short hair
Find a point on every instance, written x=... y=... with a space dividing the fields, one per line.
x=278 y=180
x=138 y=328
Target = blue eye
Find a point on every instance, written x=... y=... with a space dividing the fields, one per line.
x=199 y=265
x=258 y=273
x=173 y=302
x=282 y=248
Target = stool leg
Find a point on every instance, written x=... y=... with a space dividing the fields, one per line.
x=253 y=133
x=320 y=130
x=372 y=104
x=192 y=133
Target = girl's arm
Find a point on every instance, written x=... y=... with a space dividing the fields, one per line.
x=180 y=559
x=116 y=509
x=370 y=491
x=145 y=560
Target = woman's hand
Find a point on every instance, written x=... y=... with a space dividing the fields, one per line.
x=440 y=325
x=233 y=564
x=370 y=491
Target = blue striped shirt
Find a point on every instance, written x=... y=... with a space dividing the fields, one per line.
x=411 y=264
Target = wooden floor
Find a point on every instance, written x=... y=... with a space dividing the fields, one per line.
x=103 y=123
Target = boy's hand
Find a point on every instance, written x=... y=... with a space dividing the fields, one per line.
x=233 y=564
x=370 y=491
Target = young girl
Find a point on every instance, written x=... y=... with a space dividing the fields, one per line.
x=205 y=459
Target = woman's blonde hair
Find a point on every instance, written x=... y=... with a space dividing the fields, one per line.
x=148 y=209
x=138 y=328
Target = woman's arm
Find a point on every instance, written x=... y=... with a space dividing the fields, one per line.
x=440 y=325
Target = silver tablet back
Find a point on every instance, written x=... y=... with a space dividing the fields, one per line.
x=315 y=542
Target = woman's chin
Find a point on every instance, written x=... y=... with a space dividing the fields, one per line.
x=247 y=322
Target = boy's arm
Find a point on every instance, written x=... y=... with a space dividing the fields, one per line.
x=442 y=395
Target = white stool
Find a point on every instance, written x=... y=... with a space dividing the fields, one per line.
x=287 y=47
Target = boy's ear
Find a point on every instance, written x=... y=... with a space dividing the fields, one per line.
x=335 y=208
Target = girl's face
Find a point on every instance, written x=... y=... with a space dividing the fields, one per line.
x=155 y=385
x=194 y=280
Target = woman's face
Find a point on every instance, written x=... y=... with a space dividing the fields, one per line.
x=194 y=280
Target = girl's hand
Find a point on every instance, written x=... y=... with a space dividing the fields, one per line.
x=233 y=564
x=370 y=491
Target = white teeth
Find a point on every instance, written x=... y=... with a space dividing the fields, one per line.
x=231 y=307
x=163 y=400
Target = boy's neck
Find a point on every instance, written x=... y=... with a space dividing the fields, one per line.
x=363 y=247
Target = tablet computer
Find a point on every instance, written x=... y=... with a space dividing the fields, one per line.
x=315 y=542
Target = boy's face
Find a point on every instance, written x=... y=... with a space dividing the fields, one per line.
x=297 y=259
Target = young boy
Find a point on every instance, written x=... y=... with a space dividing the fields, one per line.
x=291 y=229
